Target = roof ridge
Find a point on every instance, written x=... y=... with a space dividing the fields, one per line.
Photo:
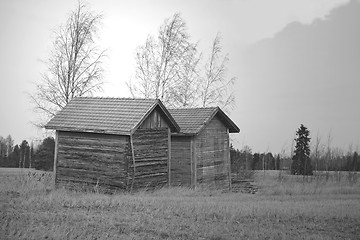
x=187 y=108
x=124 y=98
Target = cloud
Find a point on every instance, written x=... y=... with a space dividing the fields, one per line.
x=310 y=72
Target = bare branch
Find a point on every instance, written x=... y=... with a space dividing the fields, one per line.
x=74 y=66
x=166 y=66
x=215 y=88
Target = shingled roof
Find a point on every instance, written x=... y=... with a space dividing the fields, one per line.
x=193 y=120
x=107 y=115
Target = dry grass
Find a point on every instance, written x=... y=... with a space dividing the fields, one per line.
x=289 y=209
x=330 y=183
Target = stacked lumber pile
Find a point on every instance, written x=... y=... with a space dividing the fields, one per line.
x=239 y=184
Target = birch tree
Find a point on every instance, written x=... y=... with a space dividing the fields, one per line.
x=166 y=65
x=317 y=150
x=216 y=89
x=169 y=68
x=74 y=66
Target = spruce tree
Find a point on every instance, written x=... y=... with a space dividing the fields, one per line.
x=301 y=164
x=44 y=156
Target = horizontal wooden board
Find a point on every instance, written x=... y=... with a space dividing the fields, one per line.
x=212 y=155
x=90 y=177
x=92 y=159
x=151 y=158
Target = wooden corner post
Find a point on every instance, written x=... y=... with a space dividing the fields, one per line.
x=133 y=160
x=228 y=158
x=192 y=178
x=56 y=155
x=194 y=160
x=169 y=157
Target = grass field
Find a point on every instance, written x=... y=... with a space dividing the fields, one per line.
x=286 y=207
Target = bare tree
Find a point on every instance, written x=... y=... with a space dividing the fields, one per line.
x=74 y=67
x=328 y=151
x=2 y=147
x=292 y=148
x=9 y=145
x=215 y=87
x=317 y=151
x=6 y=146
x=168 y=68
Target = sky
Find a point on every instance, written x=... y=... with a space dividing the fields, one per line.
x=296 y=61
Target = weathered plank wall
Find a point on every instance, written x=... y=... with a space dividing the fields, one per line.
x=181 y=161
x=151 y=158
x=88 y=159
x=212 y=155
x=154 y=120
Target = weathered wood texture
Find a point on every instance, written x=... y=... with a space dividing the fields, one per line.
x=151 y=158
x=154 y=120
x=91 y=159
x=212 y=155
x=87 y=160
x=181 y=161
x=55 y=156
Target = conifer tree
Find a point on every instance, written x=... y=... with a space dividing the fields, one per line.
x=301 y=164
x=44 y=156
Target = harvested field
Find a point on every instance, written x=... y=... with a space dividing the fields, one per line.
x=282 y=209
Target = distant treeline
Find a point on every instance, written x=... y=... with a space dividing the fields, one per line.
x=25 y=155
x=331 y=160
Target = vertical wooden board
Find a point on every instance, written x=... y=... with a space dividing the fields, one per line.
x=169 y=157
x=181 y=160
x=163 y=123
x=195 y=160
x=192 y=167
x=198 y=140
x=56 y=156
x=154 y=120
x=227 y=156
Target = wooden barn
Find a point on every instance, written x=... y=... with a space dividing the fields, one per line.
x=121 y=143
x=200 y=153
x=112 y=143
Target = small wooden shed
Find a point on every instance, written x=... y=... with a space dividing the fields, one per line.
x=200 y=152
x=112 y=143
